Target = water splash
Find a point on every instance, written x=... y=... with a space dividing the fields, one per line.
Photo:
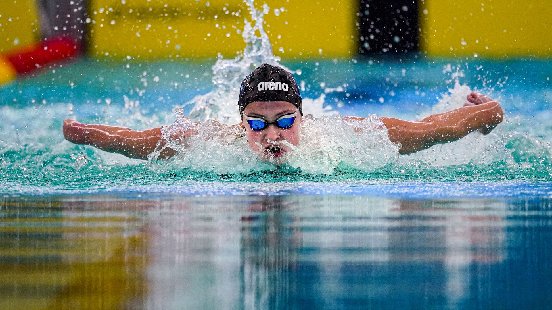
x=209 y=147
x=454 y=99
x=359 y=144
x=221 y=103
x=219 y=148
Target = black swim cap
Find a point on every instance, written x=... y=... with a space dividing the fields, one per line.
x=269 y=83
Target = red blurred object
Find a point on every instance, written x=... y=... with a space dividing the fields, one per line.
x=47 y=52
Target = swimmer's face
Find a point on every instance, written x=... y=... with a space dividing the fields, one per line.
x=272 y=142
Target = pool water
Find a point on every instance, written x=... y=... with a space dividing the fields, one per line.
x=173 y=251
x=462 y=225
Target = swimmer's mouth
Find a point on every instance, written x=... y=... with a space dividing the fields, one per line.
x=274 y=151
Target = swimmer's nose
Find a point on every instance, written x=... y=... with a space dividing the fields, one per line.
x=272 y=132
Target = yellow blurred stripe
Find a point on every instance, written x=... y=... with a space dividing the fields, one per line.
x=149 y=29
x=18 y=24
x=495 y=28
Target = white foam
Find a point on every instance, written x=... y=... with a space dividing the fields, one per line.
x=329 y=141
x=326 y=143
x=454 y=99
x=212 y=147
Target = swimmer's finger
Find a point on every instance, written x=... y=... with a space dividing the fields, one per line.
x=476 y=99
x=472 y=99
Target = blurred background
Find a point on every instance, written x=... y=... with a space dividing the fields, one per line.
x=161 y=29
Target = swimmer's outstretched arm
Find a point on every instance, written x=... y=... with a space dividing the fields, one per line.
x=131 y=143
x=479 y=113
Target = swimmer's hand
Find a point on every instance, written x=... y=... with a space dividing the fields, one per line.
x=475 y=99
x=131 y=143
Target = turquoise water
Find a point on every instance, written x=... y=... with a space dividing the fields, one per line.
x=462 y=225
x=36 y=159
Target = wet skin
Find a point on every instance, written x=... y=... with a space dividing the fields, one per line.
x=272 y=143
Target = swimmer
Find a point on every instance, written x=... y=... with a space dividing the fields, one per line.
x=271 y=114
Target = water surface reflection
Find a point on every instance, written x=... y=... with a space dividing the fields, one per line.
x=175 y=252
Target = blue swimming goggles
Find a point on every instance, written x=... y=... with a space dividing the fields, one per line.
x=283 y=122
